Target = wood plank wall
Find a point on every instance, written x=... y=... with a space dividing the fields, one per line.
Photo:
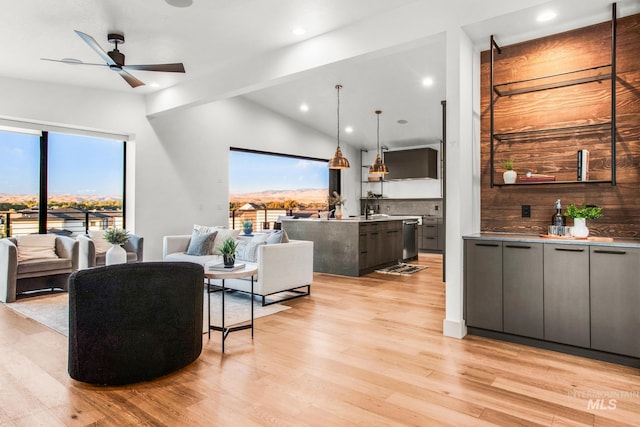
x=573 y=105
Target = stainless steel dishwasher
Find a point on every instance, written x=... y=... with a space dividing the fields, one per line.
x=409 y=239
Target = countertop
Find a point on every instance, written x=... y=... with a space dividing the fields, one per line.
x=352 y=219
x=533 y=238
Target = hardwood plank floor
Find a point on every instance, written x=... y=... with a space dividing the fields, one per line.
x=359 y=351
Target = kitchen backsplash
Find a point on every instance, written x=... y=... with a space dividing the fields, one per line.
x=429 y=207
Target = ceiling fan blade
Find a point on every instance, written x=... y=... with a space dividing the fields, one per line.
x=133 y=82
x=72 y=61
x=167 y=68
x=93 y=44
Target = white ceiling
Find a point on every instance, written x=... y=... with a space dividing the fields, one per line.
x=213 y=34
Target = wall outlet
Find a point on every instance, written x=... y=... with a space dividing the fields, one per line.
x=526 y=211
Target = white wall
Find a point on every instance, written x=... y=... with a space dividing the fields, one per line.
x=194 y=147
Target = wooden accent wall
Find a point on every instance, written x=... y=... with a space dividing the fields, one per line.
x=573 y=105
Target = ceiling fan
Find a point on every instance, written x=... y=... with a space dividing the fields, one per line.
x=115 y=59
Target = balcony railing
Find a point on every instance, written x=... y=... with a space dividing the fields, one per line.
x=265 y=219
x=59 y=222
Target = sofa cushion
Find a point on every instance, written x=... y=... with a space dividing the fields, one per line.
x=36 y=246
x=202 y=260
x=99 y=241
x=43 y=265
x=201 y=242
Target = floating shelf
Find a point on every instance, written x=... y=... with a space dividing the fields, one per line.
x=570 y=78
x=593 y=181
x=541 y=134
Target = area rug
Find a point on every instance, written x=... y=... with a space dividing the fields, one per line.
x=53 y=310
x=402 y=269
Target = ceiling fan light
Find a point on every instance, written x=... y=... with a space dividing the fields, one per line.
x=338 y=161
x=377 y=167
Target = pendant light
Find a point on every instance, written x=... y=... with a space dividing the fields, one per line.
x=377 y=167
x=338 y=161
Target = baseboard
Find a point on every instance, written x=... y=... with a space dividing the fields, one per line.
x=454 y=329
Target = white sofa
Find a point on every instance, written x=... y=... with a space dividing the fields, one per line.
x=281 y=266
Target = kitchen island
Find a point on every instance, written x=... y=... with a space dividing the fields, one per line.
x=350 y=246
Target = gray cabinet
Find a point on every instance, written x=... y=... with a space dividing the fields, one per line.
x=615 y=300
x=483 y=284
x=432 y=235
x=380 y=244
x=522 y=282
x=566 y=294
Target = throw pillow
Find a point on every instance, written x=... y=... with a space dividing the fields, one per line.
x=101 y=245
x=206 y=228
x=248 y=251
x=36 y=246
x=275 y=237
x=200 y=243
x=223 y=234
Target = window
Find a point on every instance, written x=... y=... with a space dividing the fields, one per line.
x=80 y=179
x=264 y=186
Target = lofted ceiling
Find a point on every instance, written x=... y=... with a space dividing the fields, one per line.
x=211 y=35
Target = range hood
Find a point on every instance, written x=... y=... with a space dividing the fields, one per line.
x=417 y=163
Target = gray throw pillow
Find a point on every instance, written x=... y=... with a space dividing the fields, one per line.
x=275 y=237
x=201 y=243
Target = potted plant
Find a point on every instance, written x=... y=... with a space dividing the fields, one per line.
x=580 y=215
x=228 y=250
x=338 y=201
x=247 y=227
x=509 y=175
x=116 y=253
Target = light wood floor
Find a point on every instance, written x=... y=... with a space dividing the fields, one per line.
x=366 y=351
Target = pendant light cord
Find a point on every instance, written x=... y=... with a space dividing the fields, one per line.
x=338 y=87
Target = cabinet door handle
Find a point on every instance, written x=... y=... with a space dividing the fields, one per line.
x=569 y=250
x=518 y=247
x=600 y=251
x=493 y=245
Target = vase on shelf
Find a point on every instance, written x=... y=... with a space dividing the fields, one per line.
x=510 y=176
x=116 y=255
x=338 y=212
x=580 y=229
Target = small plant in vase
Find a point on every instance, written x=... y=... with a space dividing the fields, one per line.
x=247 y=227
x=228 y=250
x=580 y=215
x=509 y=175
x=338 y=201
x=116 y=253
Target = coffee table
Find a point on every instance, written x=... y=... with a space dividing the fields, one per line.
x=246 y=271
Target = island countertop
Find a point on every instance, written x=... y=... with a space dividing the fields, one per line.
x=534 y=238
x=358 y=219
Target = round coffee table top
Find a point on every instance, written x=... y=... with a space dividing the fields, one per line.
x=246 y=271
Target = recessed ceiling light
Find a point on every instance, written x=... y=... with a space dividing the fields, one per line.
x=427 y=81
x=298 y=31
x=348 y=129
x=179 y=3
x=154 y=84
x=403 y=122
x=304 y=107
x=546 y=16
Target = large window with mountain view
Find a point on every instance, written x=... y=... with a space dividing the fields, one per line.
x=264 y=186
x=79 y=179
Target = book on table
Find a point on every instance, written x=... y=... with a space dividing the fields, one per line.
x=221 y=267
